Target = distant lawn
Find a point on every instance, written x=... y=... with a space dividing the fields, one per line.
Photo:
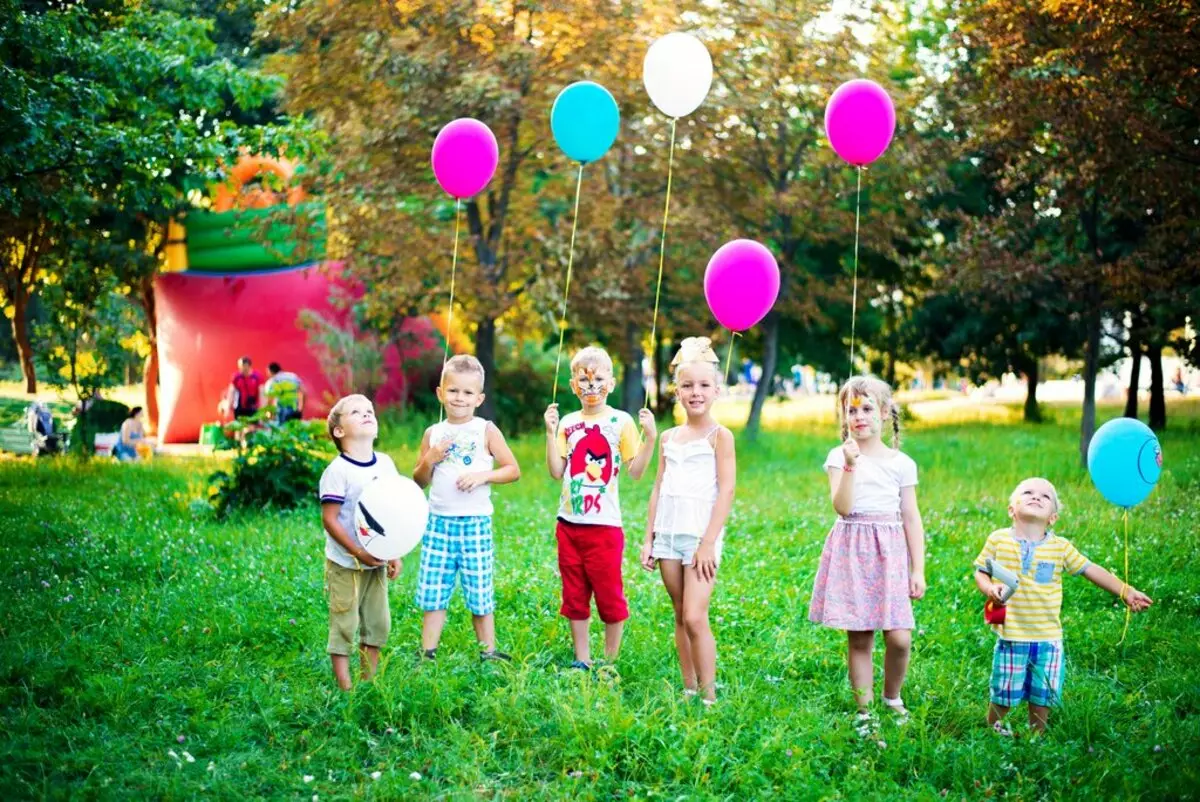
x=139 y=635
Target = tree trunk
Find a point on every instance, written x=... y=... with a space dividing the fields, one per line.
x=485 y=352
x=1091 y=365
x=1158 y=401
x=1032 y=414
x=770 y=358
x=633 y=391
x=20 y=329
x=664 y=401
x=1135 y=376
x=150 y=371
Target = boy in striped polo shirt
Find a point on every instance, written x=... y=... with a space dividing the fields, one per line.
x=1028 y=662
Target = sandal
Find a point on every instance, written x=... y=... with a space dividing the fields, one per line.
x=898 y=709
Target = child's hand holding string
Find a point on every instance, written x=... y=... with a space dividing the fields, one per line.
x=850 y=452
x=1135 y=599
x=646 y=560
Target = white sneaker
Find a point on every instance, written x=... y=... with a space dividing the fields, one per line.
x=898 y=709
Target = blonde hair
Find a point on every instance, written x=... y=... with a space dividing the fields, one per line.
x=878 y=391
x=696 y=351
x=592 y=356
x=464 y=365
x=1012 y=497
x=335 y=415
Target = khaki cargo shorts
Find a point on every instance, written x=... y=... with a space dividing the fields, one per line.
x=358 y=604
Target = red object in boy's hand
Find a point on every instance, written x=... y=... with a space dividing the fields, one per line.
x=993 y=612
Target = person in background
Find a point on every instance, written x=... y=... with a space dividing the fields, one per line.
x=242 y=394
x=284 y=391
x=133 y=431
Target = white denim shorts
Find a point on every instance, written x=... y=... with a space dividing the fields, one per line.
x=679 y=547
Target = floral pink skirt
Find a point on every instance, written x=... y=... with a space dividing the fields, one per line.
x=862 y=582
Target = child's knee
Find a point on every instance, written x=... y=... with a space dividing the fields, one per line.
x=898 y=640
x=695 y=621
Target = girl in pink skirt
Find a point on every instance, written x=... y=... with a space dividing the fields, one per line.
x=873 y=563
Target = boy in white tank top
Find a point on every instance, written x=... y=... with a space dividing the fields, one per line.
x=460 y=458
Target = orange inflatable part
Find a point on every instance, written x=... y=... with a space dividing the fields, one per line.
x=233 y=194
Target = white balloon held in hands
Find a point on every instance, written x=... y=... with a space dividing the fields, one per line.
x=390 y=517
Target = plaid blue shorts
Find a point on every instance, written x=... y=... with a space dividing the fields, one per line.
x=452 y=546
x=1030 y=671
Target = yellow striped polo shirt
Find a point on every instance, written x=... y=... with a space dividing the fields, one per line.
x=1034 y=610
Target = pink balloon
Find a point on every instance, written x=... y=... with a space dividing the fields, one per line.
x=741 y=283
x=860 y=121
x=465 y=155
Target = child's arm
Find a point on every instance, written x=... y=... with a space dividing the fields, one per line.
x=647 y=561
x=914 y=533
x=507 y=470
x=556 y=463
x=841 y=480
x=1134 y=598
x=637 y=465
x=329 y=517
x=993 y=590
x=430 y=456
x=705 y=558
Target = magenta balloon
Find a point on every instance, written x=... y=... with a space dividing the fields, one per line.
x=860 y=121
x=741 y=283
x=465 y=155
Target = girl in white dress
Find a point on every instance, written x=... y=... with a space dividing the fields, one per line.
x=692 y=496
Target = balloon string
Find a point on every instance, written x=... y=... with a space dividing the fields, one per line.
x=450 y=306
x=733 y=335
x=662 y=249
x=562 y=322
x=854 y=299
x=1125 y=588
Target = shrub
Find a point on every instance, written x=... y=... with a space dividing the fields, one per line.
x=275 y=466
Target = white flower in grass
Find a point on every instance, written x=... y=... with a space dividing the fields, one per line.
x=187 y=756
x=308 y=778
x=171 y=752
x=375 y=775
x=416 y=775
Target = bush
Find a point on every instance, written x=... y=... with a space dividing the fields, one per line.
x=275 y=466
x=102 y=417
x=523 y=386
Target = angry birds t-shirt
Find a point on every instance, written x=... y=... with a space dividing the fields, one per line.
x=596 y=447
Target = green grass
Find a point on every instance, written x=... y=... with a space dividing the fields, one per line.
x=134 y=626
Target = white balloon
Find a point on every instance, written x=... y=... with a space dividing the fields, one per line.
x=390 y=517
x=677 y=73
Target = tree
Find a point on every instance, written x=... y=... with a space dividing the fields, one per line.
x=1097 y=102
x=381 y=79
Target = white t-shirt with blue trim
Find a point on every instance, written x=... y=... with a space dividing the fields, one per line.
x=342 y=483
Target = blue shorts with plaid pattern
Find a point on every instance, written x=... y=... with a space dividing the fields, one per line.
x=1030 y=672
x=452 y=546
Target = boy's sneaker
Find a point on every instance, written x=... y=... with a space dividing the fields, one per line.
x=580 y=665
x=429 y=654
x=495 y=655
x=1002 y=729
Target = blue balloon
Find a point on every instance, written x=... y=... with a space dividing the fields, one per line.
x=584 y=120
x=1125 y=461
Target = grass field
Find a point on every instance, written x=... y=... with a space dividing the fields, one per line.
x=151 y=651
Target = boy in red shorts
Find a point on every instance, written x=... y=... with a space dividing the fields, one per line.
x=587 y=451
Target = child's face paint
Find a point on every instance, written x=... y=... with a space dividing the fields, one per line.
x=863 y=417
x=592 y=385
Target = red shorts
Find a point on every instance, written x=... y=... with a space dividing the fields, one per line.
x=589 y=560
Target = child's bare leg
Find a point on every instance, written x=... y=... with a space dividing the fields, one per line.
x=862 y=672
x=895 y=661
x=612 y=639
x=485 y=630
x=341 y=671
x=672 y=577
x=431 y=628
x=368 y=658
x=996 y=713
x=579 y=635
x=696 y=595
x=1039 y=717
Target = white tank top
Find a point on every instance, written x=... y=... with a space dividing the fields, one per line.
x=689 y=486
x=468 y=453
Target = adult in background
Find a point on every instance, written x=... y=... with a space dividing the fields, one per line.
x=242 y=394
x=284 y=391
x=133 y=431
